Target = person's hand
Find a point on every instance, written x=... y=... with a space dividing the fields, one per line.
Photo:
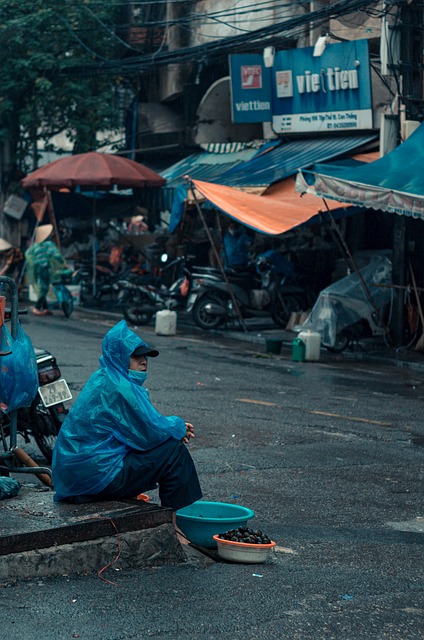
x=189 y=432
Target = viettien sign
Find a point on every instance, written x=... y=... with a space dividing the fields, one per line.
x=331 y=92
x=303 y=93
x=250 y=88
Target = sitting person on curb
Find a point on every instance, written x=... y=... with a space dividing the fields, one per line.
x=114 y=443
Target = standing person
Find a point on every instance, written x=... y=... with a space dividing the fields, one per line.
x=114 y=443
x=44 y=262
x=236 y=247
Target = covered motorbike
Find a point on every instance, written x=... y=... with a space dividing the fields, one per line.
x=43 y=418
x=352 y=307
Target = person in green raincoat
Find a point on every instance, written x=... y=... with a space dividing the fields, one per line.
x=44 y=261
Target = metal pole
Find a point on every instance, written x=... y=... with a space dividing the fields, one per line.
x=218 y=259
x=13 y=292
x=94 y=245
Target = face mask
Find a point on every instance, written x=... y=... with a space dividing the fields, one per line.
x=232 y=232
x=139 y=377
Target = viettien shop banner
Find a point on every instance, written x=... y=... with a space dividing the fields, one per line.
x=331 y=92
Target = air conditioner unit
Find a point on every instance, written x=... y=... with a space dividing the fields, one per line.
x=408 y=127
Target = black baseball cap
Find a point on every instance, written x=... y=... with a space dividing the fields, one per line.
x=145 y=350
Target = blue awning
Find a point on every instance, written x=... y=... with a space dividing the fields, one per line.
x=394 y=183
x=209 y=166
x=285 y=160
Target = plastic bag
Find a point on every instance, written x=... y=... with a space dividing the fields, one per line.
x=18 y=371
x=9 y=488
x=345 y=302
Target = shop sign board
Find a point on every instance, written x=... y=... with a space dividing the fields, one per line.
x=250 y=88
x=303 y=93
x=331 y=92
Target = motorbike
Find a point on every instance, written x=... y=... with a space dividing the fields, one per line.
x=258 y=292
x=141 y=297
x=43 y=419
x=106 y=278
x=345 y=313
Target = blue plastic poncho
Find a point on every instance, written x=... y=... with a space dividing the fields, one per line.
x=111 y=416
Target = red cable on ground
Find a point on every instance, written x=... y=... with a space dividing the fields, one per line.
x=99 y=573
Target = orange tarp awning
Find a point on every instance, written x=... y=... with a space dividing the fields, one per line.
x=278 y=211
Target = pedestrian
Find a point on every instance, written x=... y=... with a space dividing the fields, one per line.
x=236 y=247
x=114 y=443
x=44 y=261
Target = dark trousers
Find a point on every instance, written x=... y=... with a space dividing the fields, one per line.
x=168 y=465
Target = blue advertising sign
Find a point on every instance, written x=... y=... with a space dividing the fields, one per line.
x=250 y=88
x=331 y=92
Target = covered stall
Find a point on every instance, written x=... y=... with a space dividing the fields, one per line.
x=392 y=184
x=94 y=172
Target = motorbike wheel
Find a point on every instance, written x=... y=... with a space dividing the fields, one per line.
x=132 y=310
x=283 y=306
x=45 y=433
x=342 y=342
x=67 y=303
x=201 y=317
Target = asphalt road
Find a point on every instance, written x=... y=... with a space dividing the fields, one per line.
x=329 y=455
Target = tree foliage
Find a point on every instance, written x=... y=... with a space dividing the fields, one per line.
x=40 y=41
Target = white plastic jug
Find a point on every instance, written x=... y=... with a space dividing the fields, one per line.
x=166 y=323
x=312 y=340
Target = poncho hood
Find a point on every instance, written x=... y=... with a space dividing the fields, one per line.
x=118 y=345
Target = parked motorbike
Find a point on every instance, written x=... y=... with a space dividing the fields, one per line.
x=260 y=292
x=106 y=278
x=344 y=312
x=141 y=297
x=44 y=417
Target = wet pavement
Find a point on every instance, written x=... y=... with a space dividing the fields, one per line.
x=33 y=521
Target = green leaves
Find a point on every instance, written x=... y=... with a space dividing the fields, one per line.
x=39 y=41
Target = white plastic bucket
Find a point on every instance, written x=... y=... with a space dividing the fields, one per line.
x=75 y=291
x=166 y=323
x=312 y=340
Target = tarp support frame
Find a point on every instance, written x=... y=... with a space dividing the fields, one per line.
x=217 y=257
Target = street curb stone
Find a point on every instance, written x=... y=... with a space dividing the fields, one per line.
x=146 y=548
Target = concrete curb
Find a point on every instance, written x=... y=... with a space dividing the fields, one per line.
x=145 y=548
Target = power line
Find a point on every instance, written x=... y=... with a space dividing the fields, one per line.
x=226 y=45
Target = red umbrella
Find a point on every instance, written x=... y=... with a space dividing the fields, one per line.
x=93 y=170
x=97 y=171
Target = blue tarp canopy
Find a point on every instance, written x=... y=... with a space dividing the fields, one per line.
x=272 y=163
x=285 y=160
x=394 y=183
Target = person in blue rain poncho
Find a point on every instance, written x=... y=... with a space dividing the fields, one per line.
x=114 y=443
x=236 y=247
